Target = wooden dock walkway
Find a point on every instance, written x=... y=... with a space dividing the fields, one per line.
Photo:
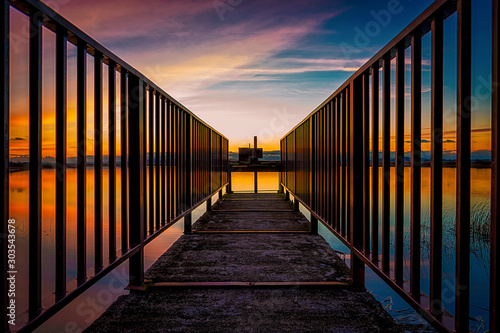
x=250 y=265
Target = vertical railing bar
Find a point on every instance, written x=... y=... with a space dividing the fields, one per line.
x=98 y=186
x=356 y=185
x=123 y=160
x=144 y=89
x=416 y=130
x=366 y=162
x=35 y=166
x=312 y=161
x=112 y=158
x=436 y=236
x=325 y=162
x=163 y=157
x=386 y=162
x=322 y=162
x=316 y=164
x=375 y=160
x=189 y=137
x=182 y=131
x=175 y=127
x=137 y=166
x=151 y=169
x=328 y=167
x=61 y=129
x=168 y=161
x=81 y=97
x=344 y=167
x=4 y=166
x=464 y=68
x=495 y=171
x=399 y=195
x=157 y=160
x=338 y=152
x=334 y=125
x=348 y=161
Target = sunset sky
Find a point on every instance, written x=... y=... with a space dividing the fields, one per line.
x=245 y=67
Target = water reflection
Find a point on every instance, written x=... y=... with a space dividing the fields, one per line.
x=241 y=182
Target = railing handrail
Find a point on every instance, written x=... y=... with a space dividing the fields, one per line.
x=74 y=34
x=175 y=145
x=326 y=165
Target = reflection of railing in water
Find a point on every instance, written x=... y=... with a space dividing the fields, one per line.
x=187 y=160
x=326 y=165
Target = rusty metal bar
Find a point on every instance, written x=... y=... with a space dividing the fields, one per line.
x=343 y=195
x=123 y=159
x=151 y=154
x=81 y=129
x=61 y=130
x=416 y=132
x=136 y=129
x=366 y=163
x=386 y=163
x=98 y=186
x=464 y=87
x=144 y=101
x=157 y=162
x=436 y=236
x=356 y=181
x=112 y=158
x=375 y=160
x=400 y=172
x=163 y=148
x=35 y=166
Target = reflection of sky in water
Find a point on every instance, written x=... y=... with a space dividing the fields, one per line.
x=242 y=181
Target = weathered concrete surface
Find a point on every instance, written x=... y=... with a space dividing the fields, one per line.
x=246 y=310
x=247 y=257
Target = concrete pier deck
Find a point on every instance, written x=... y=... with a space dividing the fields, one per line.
x=249 y=266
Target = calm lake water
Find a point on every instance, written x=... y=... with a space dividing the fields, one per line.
x=86 y=308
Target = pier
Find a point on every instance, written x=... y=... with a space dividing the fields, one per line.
x=250 y=264
x=253 y=262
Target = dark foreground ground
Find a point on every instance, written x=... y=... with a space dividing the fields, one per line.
x=301 y=283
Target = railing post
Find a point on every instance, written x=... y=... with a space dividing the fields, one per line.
x=61 y=83
x=98 y=162
x=464 y=68
x=112 y=158
x=123 y=158
x=136 y=129
x=255 y=183
x=35 y=166
x=355 y=151
x=287 y=195
x=187 y=223
x=209 y=204
x=295 y=204
x=81 y=110
x=4 y=141
x=314 y=224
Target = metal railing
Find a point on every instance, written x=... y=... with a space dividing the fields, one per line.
x=327 y=165
x=187 y=161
